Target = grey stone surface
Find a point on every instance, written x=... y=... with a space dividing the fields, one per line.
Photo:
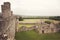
x=7 y=22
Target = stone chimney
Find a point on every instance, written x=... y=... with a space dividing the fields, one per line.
x=6 y=10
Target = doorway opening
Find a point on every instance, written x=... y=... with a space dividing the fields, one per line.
x=42 y=31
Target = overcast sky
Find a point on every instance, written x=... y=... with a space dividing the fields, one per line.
x=35 y=7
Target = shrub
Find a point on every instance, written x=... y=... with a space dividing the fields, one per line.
x=48 y=22
x=20 y=19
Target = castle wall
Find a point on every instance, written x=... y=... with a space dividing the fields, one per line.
x=9 y=22
x=11 y=30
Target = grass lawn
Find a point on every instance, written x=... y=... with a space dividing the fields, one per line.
x=32 y=35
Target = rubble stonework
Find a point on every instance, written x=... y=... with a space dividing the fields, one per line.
x=7 y=22
x=40 y=27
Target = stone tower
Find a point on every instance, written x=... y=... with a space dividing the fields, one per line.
x=7 y=23
x=6 y=10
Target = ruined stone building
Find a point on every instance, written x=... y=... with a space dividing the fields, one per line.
x=7 y=22
x=39 y=25
x=49 y=28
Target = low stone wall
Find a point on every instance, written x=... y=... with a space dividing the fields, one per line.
x=42 y=28
x=26 y=28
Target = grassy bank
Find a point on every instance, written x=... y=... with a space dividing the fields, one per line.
x=32 y=35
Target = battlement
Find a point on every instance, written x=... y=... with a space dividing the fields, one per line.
x=6 y=10
x=6 y=2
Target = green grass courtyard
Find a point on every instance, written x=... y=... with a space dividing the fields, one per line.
x=32 y=35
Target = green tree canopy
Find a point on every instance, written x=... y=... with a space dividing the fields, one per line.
x=55 y=18
x=20 y=19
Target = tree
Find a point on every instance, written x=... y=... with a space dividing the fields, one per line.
x=48 y=22
x=55 y=18
x=20 y=19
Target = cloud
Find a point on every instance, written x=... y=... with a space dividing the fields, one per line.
x=35 y=7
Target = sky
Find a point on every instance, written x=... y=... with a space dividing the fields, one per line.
x=34 y=7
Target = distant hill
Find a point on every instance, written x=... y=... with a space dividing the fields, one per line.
x=38 y=17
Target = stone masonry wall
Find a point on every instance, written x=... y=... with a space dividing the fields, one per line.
x=9 y=22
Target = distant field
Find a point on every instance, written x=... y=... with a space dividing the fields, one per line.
x=27 y=25
x=31 y=21
x=32 y=35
